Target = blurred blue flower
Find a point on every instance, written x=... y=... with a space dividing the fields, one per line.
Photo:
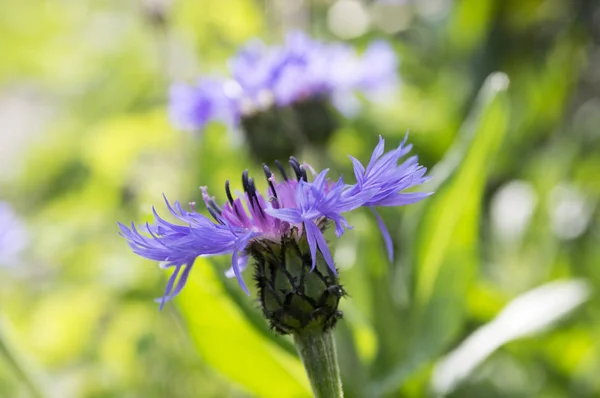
x=13 y=236
x=192 y=106
x=301 y=69
x=292 y=209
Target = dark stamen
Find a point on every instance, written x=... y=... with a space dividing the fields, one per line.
x=295 y=167
x=228 y=192
x=253 y=197
x=268 y=174
x=214 y=215
x=303 y=171
x=245 y=180
x=298 y=169
x=214 y=206
x=267 y=171
x=281 y=170
x=250 y=187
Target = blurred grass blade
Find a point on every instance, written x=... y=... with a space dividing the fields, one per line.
x=529 y=313
x=446 y=238
x=228 y=342
x=459 y=196
x=18 y=363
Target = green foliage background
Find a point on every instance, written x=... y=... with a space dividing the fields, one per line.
x=86 y=141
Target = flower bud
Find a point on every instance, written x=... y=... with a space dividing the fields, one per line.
x=280 y=132
x=294 y=298
x=316 y=119
x=272 y=134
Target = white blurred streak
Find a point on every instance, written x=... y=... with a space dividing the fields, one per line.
x=570 y=212
x=511 y=209
x=499 y=81
x=348 y=19
x=529 y=313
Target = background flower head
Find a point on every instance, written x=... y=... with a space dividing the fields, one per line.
x=280 y=75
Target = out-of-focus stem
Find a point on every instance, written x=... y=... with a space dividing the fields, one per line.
x=14 y=362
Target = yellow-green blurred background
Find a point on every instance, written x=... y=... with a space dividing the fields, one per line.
x=85 y=142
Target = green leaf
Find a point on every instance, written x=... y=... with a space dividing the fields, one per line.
x=228 y=342
x=446 y=239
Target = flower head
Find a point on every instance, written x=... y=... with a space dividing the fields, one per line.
x=290 y=217
x=299 y=70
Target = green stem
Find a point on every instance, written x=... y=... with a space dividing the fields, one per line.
x=317 y=351
x=15 y=362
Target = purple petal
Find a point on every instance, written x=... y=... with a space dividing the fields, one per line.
x=169 y=287
x=313 y=231
x=289 y=215
x=386 y=235
x=359 y=169
x=242 y=264
x=180 y=284
x=237 y=272
x=402 y=199
x=312 y=243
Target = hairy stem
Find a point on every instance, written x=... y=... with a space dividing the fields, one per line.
x=318 y=354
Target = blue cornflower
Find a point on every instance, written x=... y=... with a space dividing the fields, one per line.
x=294 y=212
x=301 y=70
x=191 y=107
x=13 y=235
